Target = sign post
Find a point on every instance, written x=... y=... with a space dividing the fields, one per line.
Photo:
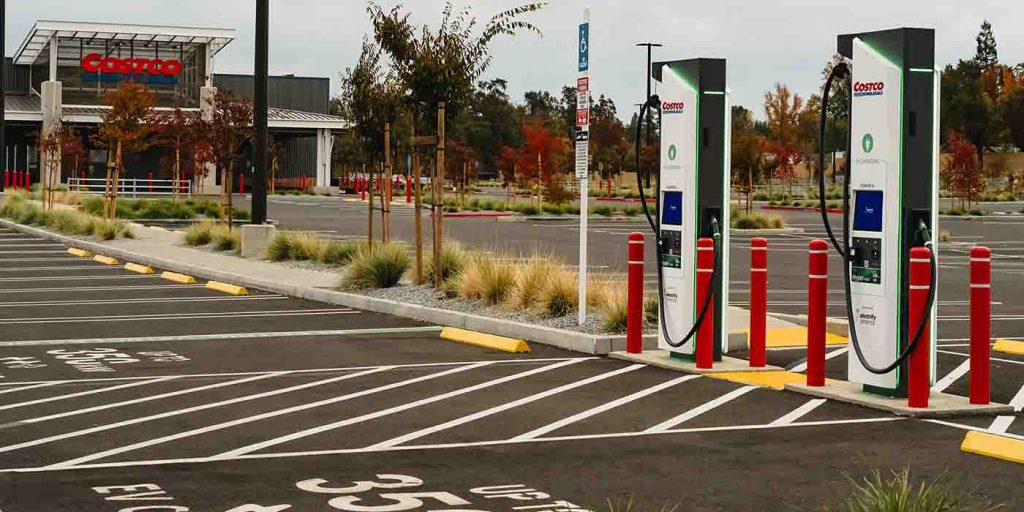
x=583 y=153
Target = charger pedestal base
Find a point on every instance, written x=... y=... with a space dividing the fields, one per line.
x=940 y=405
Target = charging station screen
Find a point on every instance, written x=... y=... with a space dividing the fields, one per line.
x=867 y=214
x=672 y=209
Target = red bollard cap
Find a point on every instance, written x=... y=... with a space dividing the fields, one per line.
x=758 y=242
x=636 y=236
x=981 y=252
x=818 y=245
x=920 y=252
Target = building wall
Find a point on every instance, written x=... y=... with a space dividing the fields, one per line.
x=16 y=78
x=289 y=92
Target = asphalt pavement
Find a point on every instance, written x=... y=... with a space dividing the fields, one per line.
x=121 y=392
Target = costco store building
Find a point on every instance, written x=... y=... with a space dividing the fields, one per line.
x=63 y=69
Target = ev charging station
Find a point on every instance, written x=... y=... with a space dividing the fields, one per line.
x=891 y=189
x=693 y=201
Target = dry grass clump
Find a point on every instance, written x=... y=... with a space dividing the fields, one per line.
x=485 y=279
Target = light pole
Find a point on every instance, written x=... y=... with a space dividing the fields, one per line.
x=259 y=188
x=650 y=47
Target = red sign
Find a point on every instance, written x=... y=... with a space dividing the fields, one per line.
x=96 y=63
x=582 y=118
x=583 y=84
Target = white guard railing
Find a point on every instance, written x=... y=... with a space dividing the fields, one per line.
x=131 y=187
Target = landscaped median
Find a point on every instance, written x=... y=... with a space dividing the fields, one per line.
x=165 y=250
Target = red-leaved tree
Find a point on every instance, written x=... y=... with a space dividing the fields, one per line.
x=963 y=174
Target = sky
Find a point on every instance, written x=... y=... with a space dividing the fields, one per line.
x=765 y=42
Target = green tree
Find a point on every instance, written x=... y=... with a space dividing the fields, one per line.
x=608 y=145
x=986 y=55
x=747 y=153
x=489 y=123
x=965 y=107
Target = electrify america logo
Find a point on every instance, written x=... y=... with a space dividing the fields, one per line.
x=868 y=89
x=672 y=107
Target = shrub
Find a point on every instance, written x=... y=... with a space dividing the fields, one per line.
x=553 y=209
x=529 y=209
x=761 y=196
x=337 y=253
x=488 y=280
x=561 y=296
x=631 y=211
x=199 y=234
x=976 y=212
x=944 y=235
x=107 y=230
x=530 y=282
x=225 y=238
x=381 y=267
x=602 y=210
x=614 y=303
x=279 y=248
x=756 y=221
x=453 y=261
x=897 y=493
x=71 y=222
x=651 y=309
x=304 y=247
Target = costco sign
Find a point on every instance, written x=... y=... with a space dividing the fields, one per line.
x=96 y=68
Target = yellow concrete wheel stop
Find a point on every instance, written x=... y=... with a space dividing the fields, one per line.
x=178 y=278
x=106 y=260
x=485 y=340
x=81 y=253
x=229 y=289
x=138 y=269
x=991 y=445
x=1011 y=347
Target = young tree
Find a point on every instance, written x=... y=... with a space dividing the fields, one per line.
x=58 y=144
x=507 y=164
x=782 y=110
x=747 y=150
x=963 y=173
x=126 y=128
x=174 y=130
x=229 y=128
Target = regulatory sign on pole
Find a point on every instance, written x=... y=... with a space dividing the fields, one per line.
x=583 y=153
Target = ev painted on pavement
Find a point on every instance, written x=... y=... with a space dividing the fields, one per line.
x=692 y=194
x=890 y=197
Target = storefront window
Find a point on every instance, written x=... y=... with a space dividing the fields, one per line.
x=88 y=68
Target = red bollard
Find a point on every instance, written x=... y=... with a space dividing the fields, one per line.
x=919 y=371
x=17 y=178
x=981 y=325
x=28 y=181
x=7 y=179
x=609 y=188
x=150 y=175
x=81 y=181
x=817 y=310
x=241 y=184
x=706 y=334
x=364 y=187
x=758 y=301
x=635 y=299
x=408 y=190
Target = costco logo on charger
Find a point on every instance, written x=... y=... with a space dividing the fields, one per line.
x=868 y=89
x=672 y=107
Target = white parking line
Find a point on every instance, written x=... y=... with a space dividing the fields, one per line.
x=835 y=353
x=503 y=407
x=952 y=377
x=701 y=409
x=1002 y=423
x=800 y=412
x=70 y=278
x=33 y=252
x=8 y=246
x=379 y=414
x=30 y=386
x=177 y=316
x=85 y=393
x=140 y=301
x=247 y=398
x=161 y=287
x=109 y=426
x=602 y=408
x=69 y=267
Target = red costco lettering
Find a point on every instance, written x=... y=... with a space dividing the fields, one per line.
x=96 y=63
x=672 y=105
x=869 y=87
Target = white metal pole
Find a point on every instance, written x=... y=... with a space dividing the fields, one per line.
x=583 y=154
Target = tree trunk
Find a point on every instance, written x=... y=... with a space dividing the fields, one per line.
x=369 y=202
x=439 y=196
x=118 y=165
x=230 y=190
x=386 y=199
x=418 y=213
x=177 y=174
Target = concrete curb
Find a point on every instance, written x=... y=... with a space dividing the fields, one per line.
x=800 y=209
x=569 y=340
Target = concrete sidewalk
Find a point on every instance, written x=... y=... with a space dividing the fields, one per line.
x=163 y=249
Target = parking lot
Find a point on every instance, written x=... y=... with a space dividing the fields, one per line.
x=122 y=390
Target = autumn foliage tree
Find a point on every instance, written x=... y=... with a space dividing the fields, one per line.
x=175 y=131
x=127 y=127
x=542 y=158
x=783 y=110
x=58 y=143
x=227 y=130
x=962 y=171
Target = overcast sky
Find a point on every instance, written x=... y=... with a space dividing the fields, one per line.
x=765 y=41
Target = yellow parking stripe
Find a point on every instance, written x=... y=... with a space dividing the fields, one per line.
x=778 y=337
x=774 y=380
x=485 y=340
x=991 y=445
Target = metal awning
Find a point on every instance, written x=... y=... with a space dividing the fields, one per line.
x=43 y=31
